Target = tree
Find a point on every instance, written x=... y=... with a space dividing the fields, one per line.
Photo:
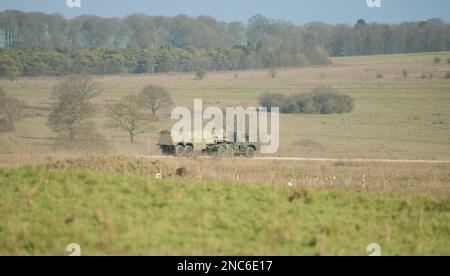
x=95 y=31
x=13 y=74
x=119 y=32
x=73 y=108
x=11 y=109
x=128 y=115
x=140 y=35
x=8 y=67
x=156 y=97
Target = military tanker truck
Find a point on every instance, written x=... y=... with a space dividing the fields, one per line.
x=220 y=146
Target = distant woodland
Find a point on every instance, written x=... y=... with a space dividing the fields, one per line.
x=34 y=44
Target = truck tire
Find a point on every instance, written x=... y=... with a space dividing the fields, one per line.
x=222 y=151
x=179 y=150
x=231 y=151
x=189 y=151
x=250 y=152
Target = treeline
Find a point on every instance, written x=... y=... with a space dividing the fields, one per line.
x=374 y=38
x=22 y=30
x=42 y=44
x=15 y=62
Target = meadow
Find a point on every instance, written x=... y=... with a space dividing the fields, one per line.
x=111 y=202
x=395 y=116
x=42 y=210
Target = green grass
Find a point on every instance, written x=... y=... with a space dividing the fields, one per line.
x=41 y=211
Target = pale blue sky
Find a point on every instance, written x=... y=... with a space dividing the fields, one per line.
x=297 y=11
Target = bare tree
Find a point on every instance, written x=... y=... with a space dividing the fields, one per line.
x=73 y=108
x=11 y=109
x=156 y=97
x=128 y=115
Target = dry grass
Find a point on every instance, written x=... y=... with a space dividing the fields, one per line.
x=428 y=179
x=394 y=117
x=419 y=179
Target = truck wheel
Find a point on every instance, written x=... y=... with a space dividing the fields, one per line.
x=189 y=151
x=230 y=151
x=250 y=152
x=222 y=151
x=179 y=150
x=164 y=151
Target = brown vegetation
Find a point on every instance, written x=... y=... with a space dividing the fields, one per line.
x=5 y=125
x=128 y=115
x=397 y=178
x=11 y=111
x=72 y=113
x=156 y=97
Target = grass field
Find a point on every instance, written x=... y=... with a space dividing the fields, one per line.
x=111 y=204
x=42 y=210
x=395 y=117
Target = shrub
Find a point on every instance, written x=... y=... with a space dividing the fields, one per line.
x=88 y=140
x=380 y=75
x=304 y=103
x=13 y=75
x=448 y=60
x=11 y=111
x=437 y=60
x=328 y=101
x=405 y=73
x=321 y=100
x=8 y=66
x=5 y=125
x=273 y=73
x=427 y=76
x=200 y=73
x=318 y=56
x=270 y=100
x=447 y=75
